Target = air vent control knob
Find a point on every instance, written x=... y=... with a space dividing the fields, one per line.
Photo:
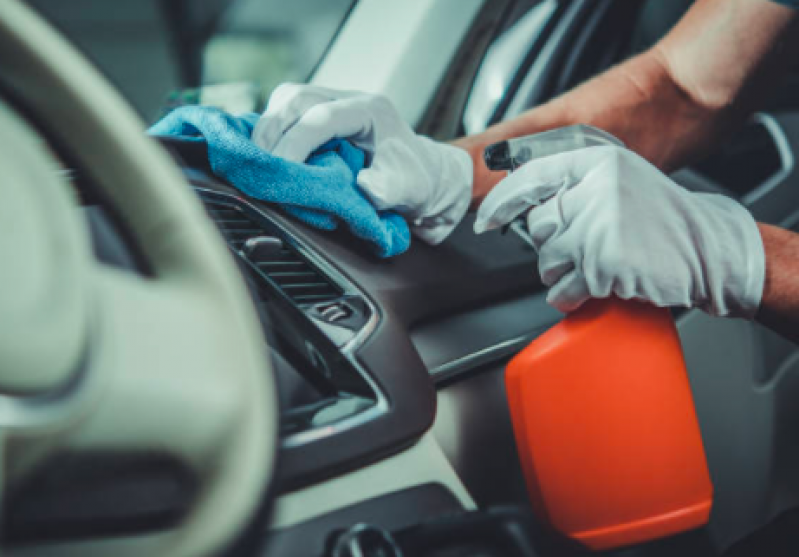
x=262 y=248
x=333 y=312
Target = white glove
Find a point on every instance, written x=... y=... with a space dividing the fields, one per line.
x=427 y=182
x=609 y=223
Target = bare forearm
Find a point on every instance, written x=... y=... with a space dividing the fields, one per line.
x=636 y=101
x=674 y=102
x=779 y=308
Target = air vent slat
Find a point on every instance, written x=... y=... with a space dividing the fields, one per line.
x=231 y=224
x=226 y=213
x=312 y=298
x=279 y=266
x=242 y=233
x=293 y=277
x=305 y=286
x=286 y=267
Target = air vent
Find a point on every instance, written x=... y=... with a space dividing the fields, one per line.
x=271 y=255
x=235 y=226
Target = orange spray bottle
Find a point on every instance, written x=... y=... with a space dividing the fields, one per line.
x=602 y=409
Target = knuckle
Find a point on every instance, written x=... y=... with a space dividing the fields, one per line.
x=614 y=260
x=316 y=117
x=285 y=91
x=381 y=102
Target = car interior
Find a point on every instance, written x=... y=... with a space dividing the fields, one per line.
x=206 y=375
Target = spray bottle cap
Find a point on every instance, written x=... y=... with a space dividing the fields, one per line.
x=513 y=153
x=497 y=156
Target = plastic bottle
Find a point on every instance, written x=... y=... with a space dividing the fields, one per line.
x=602 y=409
x=606 y=429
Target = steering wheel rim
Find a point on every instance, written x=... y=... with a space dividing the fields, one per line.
x=229 y=435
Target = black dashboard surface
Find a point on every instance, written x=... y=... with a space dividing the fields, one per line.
x=436 y=305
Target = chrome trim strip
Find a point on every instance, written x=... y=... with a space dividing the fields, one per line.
x=484 y=356
x=532 y=82
x=790 y=222
x=786 y=156
x=501 y=62
x=314 y=434
x=381 y=405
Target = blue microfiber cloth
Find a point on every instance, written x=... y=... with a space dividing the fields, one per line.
x=321 y=192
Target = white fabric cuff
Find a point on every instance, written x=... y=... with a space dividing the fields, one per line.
x=752 y=289
x=452 y=195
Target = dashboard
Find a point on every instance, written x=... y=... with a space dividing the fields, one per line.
x=360 y=343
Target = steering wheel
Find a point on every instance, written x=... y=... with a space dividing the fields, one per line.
x=94 y=359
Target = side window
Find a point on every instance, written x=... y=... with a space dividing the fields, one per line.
x=259 y=44
x=503 y=60
x=548 y=47
x=130 y=42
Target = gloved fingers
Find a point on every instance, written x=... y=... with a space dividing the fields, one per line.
x=287 y=104
x=375 y=185
x=290 y=98
x=510 y=198
x=545 y=221
x=569 y=293
x=393 y=179
x=408 y=181
x=552 y=269
x=320 y=124
x=555 y=259
x=567 y=245
x=537 y=181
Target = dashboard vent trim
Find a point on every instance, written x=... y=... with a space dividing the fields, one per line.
x=290 y=272
x=243 y=213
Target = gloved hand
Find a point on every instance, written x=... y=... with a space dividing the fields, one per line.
x=609 y=223
x=427 y=182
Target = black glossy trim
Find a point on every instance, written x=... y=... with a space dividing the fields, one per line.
x=423 y=285
x=393 y=363
x=86 y=495
x=396 y=367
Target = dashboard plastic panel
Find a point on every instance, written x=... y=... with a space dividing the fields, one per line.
x=436 y=305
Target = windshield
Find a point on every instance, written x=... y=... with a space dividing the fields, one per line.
x=266 y=42
x=153 y=50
